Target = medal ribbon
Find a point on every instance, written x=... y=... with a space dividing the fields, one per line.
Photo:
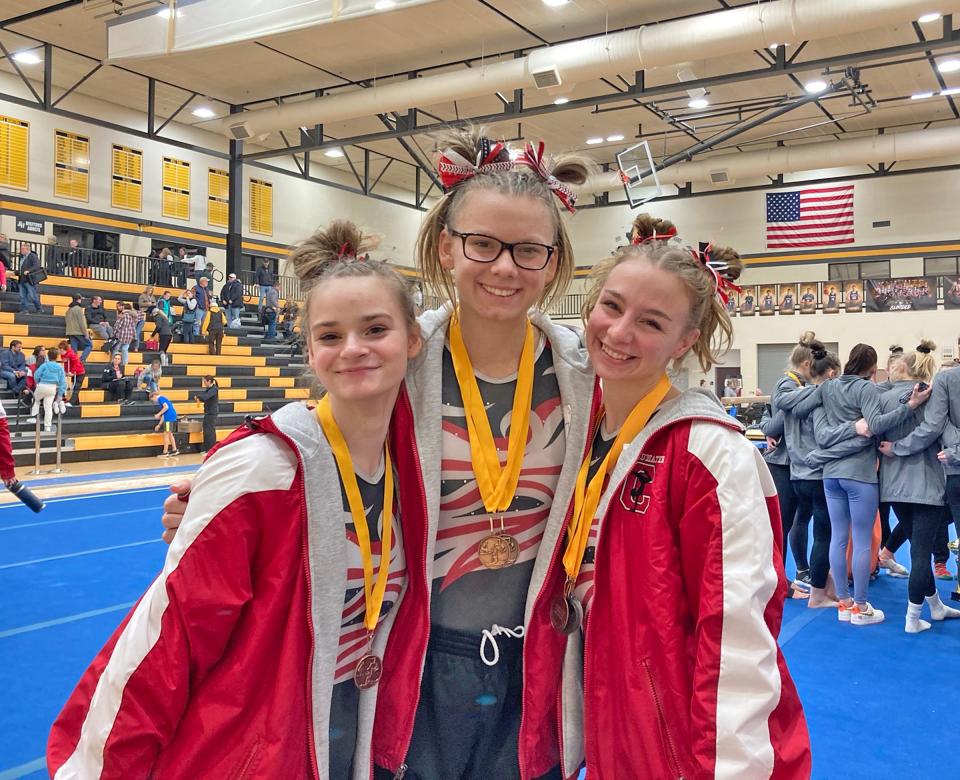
x=372 y=593
x=586 y=497
x=497 y=485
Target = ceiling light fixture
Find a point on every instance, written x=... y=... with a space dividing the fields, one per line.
x=815 y=87
x=698 y=103
x=27 y=57
x=948 y=66
x=951 y=91
x=594 y=141
x=774 y=46
x=204 y=112
x=164 y=13
x=335 y=152
x=383 y=5
x=921 y=95
x=561 y=101
x=927 y=18
x=615 y=137
x=555 y=3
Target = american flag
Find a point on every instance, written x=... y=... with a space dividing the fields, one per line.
x=806 y=218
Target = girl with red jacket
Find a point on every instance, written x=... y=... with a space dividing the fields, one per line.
x=73 y=366
x=257 y=651
x=672 y=562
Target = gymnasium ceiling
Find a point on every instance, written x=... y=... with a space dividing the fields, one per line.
x=454 y=34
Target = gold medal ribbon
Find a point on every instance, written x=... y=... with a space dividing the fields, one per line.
x=497 y=485
x=586 y=497
x=372 y=593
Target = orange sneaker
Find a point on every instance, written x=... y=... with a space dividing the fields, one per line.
x=844 y=611
x=941 y=572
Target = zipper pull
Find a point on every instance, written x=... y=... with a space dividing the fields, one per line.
x=401 y=772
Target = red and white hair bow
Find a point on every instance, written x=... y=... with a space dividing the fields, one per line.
x=455 y=169
x=535 y=161
x=671 y=233
x=723 y=286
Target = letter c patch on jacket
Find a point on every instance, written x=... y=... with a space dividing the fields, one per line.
x=635 y=494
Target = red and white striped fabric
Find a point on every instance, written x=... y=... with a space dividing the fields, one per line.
x=821 y=216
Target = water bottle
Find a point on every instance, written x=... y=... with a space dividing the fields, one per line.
x=27 y=496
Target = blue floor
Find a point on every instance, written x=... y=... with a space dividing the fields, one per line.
x=878 y=702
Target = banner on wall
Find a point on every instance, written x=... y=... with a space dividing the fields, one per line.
x=853 y=295
x=901 y=294
x=808 y=298
x=832 y=293
x=951 y=292
x=787 y=295
x=768 y=300
x=748 y=301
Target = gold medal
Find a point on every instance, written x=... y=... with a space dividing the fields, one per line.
x=369 y=668
x=497 y=484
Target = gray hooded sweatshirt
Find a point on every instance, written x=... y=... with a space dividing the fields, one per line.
x=913 y=479
x=940 y=411
x=846 y=400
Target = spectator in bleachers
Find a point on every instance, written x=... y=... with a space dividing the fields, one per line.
x=207 y=273
x=265 y=282
x=271 y=311
x=199 y=264
x=210 y=396
x=202 y=294
x=97 y=318
x=71 y=261
x=167 y=416
x=188 y=318
x=13 y=367
x=164 y=305
x=76 y=327
x=118 y=387
x=3 y=277
x=7 y=473
x=29 y=278
x=288 y=320
x=232 y=298
x=51 y=387
x=167 y=269
x=38 y=355
x=75 y=370
x=162 y=331
x=149 y=378
x=213 y=325
x=125 y=331
x=145 y=301
x=5 y=251
x=185 y=263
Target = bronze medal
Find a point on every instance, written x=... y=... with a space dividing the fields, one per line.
x=367 y=672
x=566 y=614
x=498 y=550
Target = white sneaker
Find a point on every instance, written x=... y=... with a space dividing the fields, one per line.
x=30 y=420
x=866 y=615
x=48 y=428
x=893 y=568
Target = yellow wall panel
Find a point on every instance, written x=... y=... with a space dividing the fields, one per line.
x=126 y=184
x=71 y=166
x=14 y=152
x=176 y=189
x=261 y=207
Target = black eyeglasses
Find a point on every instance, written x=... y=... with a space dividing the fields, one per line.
x=485 y=249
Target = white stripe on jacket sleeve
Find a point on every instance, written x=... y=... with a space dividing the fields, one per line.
x=251 y=465
x=749 y=684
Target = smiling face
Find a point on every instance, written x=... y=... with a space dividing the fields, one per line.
x=498 y=290
x=359 y=341
x=640 y=323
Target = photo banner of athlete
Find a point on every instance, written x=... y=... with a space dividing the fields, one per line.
x=853 y=295
x=951 y=292
x=918 y=294
x=808 y=298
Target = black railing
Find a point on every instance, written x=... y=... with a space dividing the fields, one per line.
x=134 y=269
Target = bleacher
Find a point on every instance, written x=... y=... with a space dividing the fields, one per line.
x=255 y=376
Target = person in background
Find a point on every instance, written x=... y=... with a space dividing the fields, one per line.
x=118 y=386
x=185 y=263
x=729 y=391
x=125 y=331
x=37 y=356
x=164 y=305
x=207 y=273
x=202 y=294
x=418 y=297
x=166 y=266
x=265 y=282
x=163 y=331
x=232 y=298
x=149 y=378
x=188 y=317
x=13 y=367
x=210 y=396
x=167 y=417
x=271 y=309
x=51 y=388
x=76 y=329
x=74 y=368
x=213 y=325
x=146 y=301
x=5 y=252
x=199 y=265
x=29 y=265
x=3 y=277
x=7 y=463
x=288 y=320
x=97 y=318
x=72 y=259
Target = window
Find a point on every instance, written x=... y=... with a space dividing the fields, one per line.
x=871 y=269
x=176 y=188
x=14 y=152
x=126 y=186
x=71 y=165
x=261 y=207
x=940 y=266
x=218 y=197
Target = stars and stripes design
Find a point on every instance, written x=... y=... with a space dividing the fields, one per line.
x=821 y=216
